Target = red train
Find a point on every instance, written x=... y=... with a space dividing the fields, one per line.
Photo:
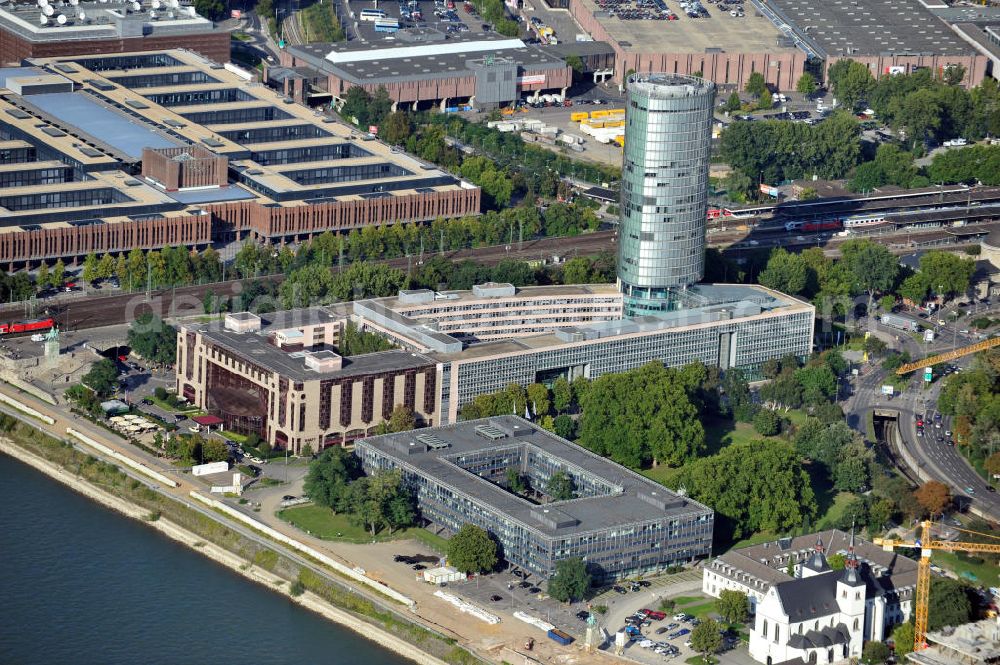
x=26 y=326
x=817 y=225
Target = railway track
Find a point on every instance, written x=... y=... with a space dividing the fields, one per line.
x=97 y=311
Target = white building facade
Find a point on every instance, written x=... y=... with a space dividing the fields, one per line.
x=817 y=614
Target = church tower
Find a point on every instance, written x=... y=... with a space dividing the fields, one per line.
x=851 y=598
x=816 y=563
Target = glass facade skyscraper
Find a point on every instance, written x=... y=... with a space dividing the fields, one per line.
x=668 y=135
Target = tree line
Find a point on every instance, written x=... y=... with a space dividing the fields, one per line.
x=920 y=107
x=865 y=267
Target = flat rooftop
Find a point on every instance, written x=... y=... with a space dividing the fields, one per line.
x=258 y=348
x=718 y=304
x=102 y=20
x=368 y=62
x=283 y=151
x=874 y=27
x=623 y=497
x=750 y=33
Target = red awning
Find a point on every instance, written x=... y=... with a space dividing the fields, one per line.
x=208 y=421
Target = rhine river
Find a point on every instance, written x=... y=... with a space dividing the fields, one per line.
x=81 y=584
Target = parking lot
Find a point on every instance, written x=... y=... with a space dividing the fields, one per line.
x=420 y=14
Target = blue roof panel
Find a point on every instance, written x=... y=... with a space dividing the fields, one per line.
x=195 y=196
x=122 y=133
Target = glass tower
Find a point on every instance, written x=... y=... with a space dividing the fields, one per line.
x=664 y=192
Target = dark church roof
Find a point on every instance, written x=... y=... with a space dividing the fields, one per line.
x=825 y=637
x=809 y=597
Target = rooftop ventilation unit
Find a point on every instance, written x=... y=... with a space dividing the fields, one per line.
x=490 y=432
x=433 y=442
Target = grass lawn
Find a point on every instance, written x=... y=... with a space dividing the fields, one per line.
x=700 y=660
x=238 y=438
x=986 y=573
x=836 y=509
x=166 y=405
x=701 y=610
x=324 y=523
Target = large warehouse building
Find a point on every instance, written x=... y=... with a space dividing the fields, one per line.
x=29 y=30
x=777 y=38
x=109 y=153
x=426 y=66
x=621 y=523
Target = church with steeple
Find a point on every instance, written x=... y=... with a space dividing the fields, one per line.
x=811 y=612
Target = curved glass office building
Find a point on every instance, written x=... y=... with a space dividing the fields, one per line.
x=668 y=134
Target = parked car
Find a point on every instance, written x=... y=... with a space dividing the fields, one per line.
x=496 y=598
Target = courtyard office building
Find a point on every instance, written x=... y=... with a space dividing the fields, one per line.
x=619 y=522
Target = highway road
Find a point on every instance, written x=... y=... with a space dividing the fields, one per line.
x=935 y=458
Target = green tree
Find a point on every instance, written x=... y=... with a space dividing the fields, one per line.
x=949 y=603
x=806 y=84
x=515 y=481
x=836 y=561
x=851 y=81
x=151 y=338
x=902 y=639
x=329 y=476
x=355 y=106
x=210 y=9
x=396 y=128
x=872 y=266
x=379 y=107
x=783 y=495
x=852 y=471
x=42 y=275
x=576 y=271
x=706 y=638
x=785 y=272
x=571 y=580
x=947 y=274
x=89 y=272
x=733 y=606
x=575 y=63
x=560 y=486
x=402 y=419
x=733 y=104
x=564 y=426
x=472 y=550
x=874 y=653
x=641 y=417
x=102 y=377
x=105 y=267
x=954 y=74
x=562 y=395
x=213 y=450
x=767 y=422
x=756 y=85
x=538 y=399
x=58 y=276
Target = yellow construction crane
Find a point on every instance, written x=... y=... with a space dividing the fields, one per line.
x=926 y=544
x=949 y=355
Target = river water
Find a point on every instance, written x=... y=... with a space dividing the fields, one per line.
x=81 y=584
